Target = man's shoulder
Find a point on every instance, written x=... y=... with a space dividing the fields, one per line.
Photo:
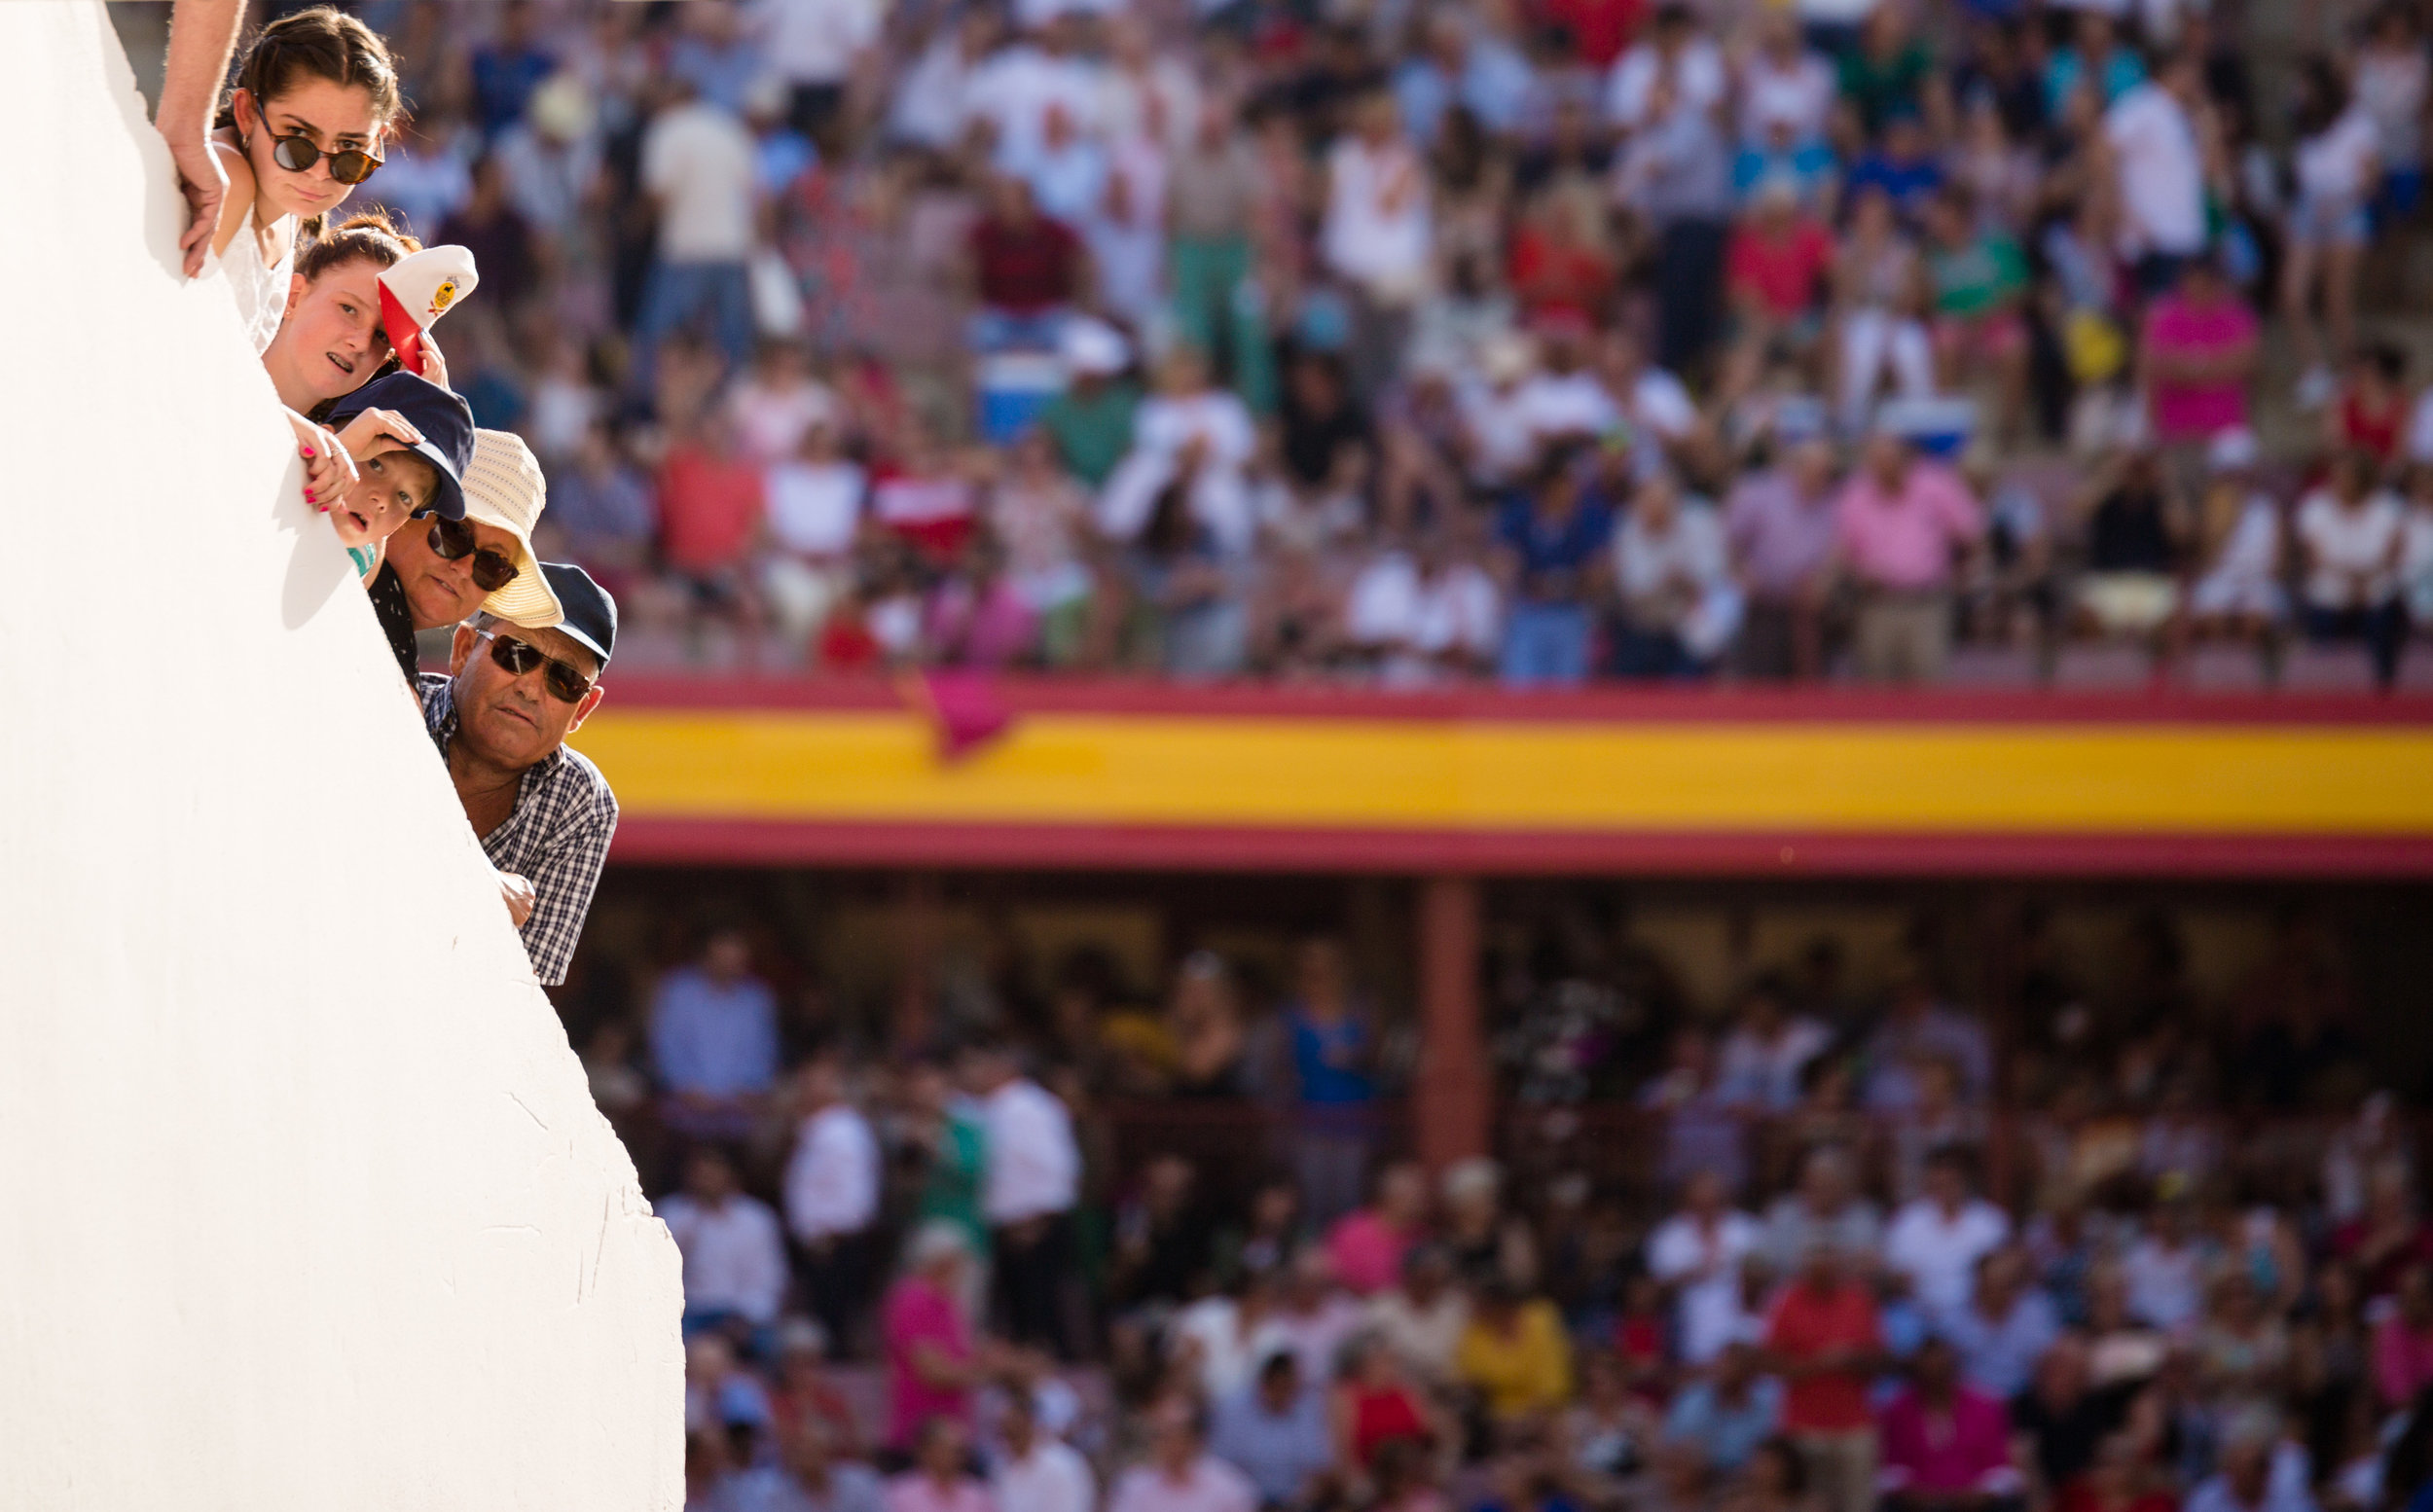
x=578 y=774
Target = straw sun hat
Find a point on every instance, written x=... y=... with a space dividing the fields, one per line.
x=503 y=487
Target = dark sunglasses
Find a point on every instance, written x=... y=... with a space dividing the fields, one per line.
x=565 y=683
x=453 y=539
x=347 y=164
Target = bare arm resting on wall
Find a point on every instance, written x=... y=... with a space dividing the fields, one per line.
x=203 y=33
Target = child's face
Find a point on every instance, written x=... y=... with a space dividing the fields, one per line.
x=332 y=335
x=333 y=116
x=390 y=486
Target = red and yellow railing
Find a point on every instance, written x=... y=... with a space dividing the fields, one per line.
x=1708 y=781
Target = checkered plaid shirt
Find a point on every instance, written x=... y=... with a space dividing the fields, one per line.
x=555 y=838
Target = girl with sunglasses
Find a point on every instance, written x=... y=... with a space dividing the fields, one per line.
x=315 y=95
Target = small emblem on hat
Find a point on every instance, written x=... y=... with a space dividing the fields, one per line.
x=443 y=297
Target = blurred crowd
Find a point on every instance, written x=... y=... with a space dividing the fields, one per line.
x=1078 y=1246
x=1401 y=342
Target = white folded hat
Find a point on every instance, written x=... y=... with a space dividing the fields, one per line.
x=416 y=291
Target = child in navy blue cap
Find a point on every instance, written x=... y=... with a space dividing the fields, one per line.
x=410 y=440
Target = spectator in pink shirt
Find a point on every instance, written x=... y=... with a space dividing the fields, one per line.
x=1368 y=1243
x=2403 y=1342
x=1945 y=1443
x=1180 y=1475
x=932 y=1360
x=940 y=1479
x=1903 y=528
x=2196 y=357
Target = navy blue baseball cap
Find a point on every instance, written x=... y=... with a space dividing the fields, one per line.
x=591 y=620
x=443 y=420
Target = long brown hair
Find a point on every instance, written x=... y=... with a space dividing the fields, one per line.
x=321 y=43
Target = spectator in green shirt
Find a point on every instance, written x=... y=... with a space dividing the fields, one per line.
x=1091 y=420
x=1980 y=280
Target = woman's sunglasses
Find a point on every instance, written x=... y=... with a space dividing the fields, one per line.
x=453 y=539
x=565 y=683
x=347 y=164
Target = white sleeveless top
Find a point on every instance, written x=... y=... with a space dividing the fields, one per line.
x=261 y=292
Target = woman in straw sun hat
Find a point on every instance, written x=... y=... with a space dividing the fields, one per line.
x=444 y=571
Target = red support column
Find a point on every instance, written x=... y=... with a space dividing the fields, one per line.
x=918 y=930
x=1453 y=1104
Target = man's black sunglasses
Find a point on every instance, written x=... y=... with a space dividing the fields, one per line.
x=347 y=164
x=566 y=684
x=453 y=538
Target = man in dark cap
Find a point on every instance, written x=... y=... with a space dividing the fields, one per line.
x=500 y=718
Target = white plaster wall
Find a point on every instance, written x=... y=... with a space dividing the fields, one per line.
x=303 y=1202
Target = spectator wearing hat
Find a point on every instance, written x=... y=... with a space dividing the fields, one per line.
x=444 y=441
x=403 y=469
x=1091 y=420
x=477 y=557
x=513 y=692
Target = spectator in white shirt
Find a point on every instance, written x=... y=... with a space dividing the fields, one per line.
x=734 y=1255
x=2164 y=1270
x=1936 y=1238
x=1769 y=1051
x=1181 y=1475
x=1675 y=51
x=1423 y=1318
x=1679 y=607
x=1036 y=1471
x=698 y=167
x=1696 y=1253
x=832 y=1199
x=2337 y=171
x=2152 y=141
x=813 y=44
x=1378 y=235
x=2350 y=535
x=1033 y=1180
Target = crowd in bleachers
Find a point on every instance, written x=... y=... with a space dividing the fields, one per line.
x=1080 y=1245
x=1541 y=341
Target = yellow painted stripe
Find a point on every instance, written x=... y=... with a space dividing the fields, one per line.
x=1091 y=769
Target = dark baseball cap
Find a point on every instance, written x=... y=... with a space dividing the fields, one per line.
x=443 y=418
x=591 y=620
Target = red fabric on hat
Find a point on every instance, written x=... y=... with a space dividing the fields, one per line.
x=393 y=320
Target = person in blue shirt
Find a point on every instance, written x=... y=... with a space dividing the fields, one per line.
x=2095 y=55
x=2005 y=1327
x=1902 y=164
x=1727 y=1416
x=1554 y=532
x=713 y=1035
x=1334 y=1050
x=1274 y=1431
x=507 y=70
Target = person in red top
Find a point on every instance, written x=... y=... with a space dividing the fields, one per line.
x=710 y=510
x=2119 y=1480
x=1027 y=268
x=1559 y=267
x=1824 y=1338
x=1375 y=1406
x=1599 y=28
x=1775 y=268
x=2372 y=407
